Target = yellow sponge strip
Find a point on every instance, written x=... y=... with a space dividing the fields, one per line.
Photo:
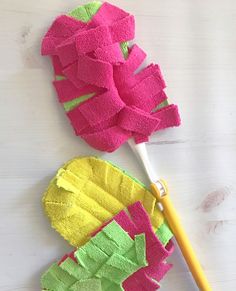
x=87 y=192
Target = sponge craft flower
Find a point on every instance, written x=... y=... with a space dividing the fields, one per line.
x=88 y=191
x=108 y=99
x=125 y=254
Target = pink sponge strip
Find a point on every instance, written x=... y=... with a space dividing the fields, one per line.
x=108 y=139
x=95 y=72
x=90 y=40
x=62 y=28
x=111 y=54
x=108 y=14
x=66 y=91
x=138 y=121
x=135 y=59
x=101 y=107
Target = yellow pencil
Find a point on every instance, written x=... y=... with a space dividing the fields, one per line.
x=160 y=191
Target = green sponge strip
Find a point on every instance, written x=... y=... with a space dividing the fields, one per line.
x=125 y=49
x=164 y=233
x=117 y=269
x=88 y=285
x=119 y=236
x=85 y=12
x=108 y=246
x=59 y=78
x=160 y=106
x=75 y=102
x=57 y=279
x=140 y=247
x=75 y=270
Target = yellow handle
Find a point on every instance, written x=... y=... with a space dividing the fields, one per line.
x=181 y=237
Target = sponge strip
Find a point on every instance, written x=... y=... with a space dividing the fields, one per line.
x=150 y=86
x=111 y=54
x=108 y=14
x=67 y=51
x=88 y=41
x=63 y=27
x=137 y=120
x=95 y=72
x=87 y=285
x=107 y=140
x=168 y=116
x=101 y=36
x=96 y=109
x=66 y=90
x=135 y=59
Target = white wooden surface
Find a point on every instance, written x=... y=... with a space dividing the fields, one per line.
x=195 y=44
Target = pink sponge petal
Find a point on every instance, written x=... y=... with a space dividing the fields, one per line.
x=137 y=120
x=95 y=72
x=108 y=140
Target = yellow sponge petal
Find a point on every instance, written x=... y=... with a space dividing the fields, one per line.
x=88 y=191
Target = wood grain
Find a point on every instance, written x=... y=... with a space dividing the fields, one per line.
x=195 y=44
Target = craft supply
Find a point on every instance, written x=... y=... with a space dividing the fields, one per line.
x=124 y=254
x=106 y=100
x=109 y=256
x=88 y=191
x=118 y=101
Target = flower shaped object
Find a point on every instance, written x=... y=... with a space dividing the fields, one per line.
x=107 y=97
x=125 y=254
